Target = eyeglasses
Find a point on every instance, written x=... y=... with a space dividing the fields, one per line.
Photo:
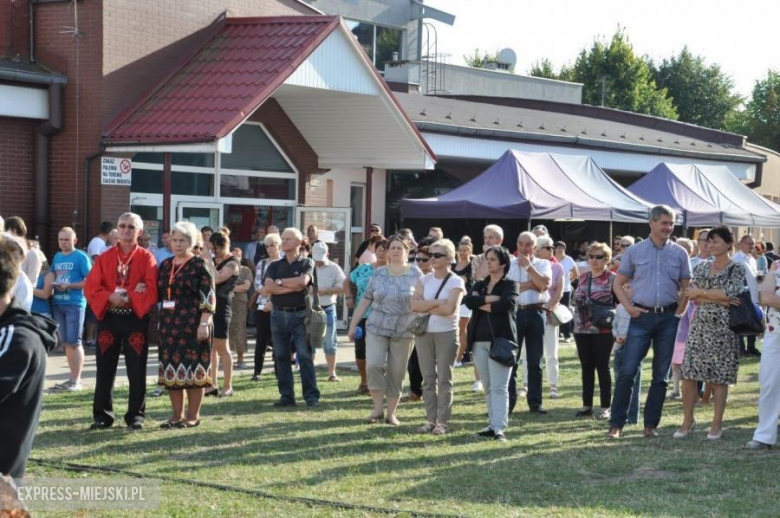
x=375 y=231
x=197 y=248
x=438 y=255
x=422 y=259
x=597 y=257
x=124 y=226
x=548 y=248
x=625 y=245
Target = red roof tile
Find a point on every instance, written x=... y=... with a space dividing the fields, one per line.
x=224 y=82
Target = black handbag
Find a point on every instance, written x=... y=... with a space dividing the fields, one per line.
x=502 y=350
x=601 y=315
x=745 y=319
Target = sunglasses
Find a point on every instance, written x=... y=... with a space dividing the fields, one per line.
x=123 y=226
x=625 y=245
x=438 y=255
x=548 y=248
x=197 y=248
x=422 y=259
x=597 y=257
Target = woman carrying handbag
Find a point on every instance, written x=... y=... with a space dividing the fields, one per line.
x=492 y=301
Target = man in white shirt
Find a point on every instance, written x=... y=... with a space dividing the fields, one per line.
x=704 y=251
x=492 y=235
x=256 y=251
x=533 y=276
x=98 y=244
x=330 y=284
x=572 y=274
x=744 y=255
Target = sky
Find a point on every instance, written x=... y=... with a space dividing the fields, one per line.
x=742 y=37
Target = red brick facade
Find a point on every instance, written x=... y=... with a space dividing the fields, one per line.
x=17 y=187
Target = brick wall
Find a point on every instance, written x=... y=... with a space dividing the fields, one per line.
x=14 y=31
x=17 y=189
x=294 y=145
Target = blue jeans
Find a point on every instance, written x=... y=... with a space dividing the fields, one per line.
x=658 y=330
x=633 y=406
x=330 y=345
x=288 y=329
x=70 y=320
x=530 y=333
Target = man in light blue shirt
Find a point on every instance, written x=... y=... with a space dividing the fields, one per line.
x=163 y=253
x=659 y=272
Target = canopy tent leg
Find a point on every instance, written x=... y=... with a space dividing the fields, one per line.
x=610 y=233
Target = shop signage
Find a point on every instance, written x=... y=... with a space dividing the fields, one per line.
x=116 y=171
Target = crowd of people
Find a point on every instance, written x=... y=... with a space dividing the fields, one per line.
x=419 y=310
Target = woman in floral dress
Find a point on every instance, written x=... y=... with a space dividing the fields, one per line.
x=186 y=289
x=712 y=352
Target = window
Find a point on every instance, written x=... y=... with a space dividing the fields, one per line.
x=238 y=186
x=357 y=202
x=378 y=42
x=254 y=151
x=150 y=181
x=243 y=219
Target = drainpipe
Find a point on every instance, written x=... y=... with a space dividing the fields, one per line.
x=87 y=165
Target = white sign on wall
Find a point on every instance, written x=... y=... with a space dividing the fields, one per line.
x=116 y=171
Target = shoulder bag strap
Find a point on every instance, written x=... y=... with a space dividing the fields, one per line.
x=590 y=285
x=316 y=294
x=442 y=285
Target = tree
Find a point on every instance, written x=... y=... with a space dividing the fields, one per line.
x=479 y=61
x=702 y=93
x=761 y=119
x=613 y=75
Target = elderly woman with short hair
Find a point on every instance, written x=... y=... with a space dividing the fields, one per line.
x=438 y=294
x=186 y=291
x=594 y=341
x=263 y=303
x=388 y=341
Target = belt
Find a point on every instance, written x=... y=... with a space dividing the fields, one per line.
x=658 y=309
x=328 y=306
x=121 y=311
x=538 y=305
x=291 y=309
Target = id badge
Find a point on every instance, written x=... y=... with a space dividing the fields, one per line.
x=169 y=304
x=120 y=291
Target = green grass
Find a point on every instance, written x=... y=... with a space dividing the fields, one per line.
x=551 y=465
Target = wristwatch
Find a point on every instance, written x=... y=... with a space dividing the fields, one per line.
x=278 y=282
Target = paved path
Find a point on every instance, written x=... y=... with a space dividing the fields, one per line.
x=57 y=365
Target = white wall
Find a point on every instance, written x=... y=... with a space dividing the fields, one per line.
x=343 y=178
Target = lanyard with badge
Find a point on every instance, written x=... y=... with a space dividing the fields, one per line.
x=169 y=303
x=123 y=271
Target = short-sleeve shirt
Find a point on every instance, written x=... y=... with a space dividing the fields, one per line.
x=751 y=272
x=431 y=285
x=360 y=277
x=161 y=254
x=655 y=272
x=96 y=247
x=283 y=269
x=600 y=291
x=329 y=276
x=70 y=269
x=518 y=274
x=568 y=264
x=391 y=300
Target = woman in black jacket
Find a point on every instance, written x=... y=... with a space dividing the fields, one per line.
x=492 y=301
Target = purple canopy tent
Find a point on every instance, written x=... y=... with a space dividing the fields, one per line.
x=535 y=186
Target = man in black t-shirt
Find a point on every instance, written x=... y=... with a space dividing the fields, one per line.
x=286 y=281
x=24 y=340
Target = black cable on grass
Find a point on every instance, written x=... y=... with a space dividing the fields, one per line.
x=311 y=502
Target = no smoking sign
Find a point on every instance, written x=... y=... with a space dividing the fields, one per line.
x=116 y=171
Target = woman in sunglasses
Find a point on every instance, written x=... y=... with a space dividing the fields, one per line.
x=438 y=294
x=263 y=303
x=594 y=338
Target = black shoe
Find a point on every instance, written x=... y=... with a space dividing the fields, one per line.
x=212 y=393
x=135 y=426
x=487 y=432
x=538 y=410
x=584 y=413
x=754 y=353
x=500 y=437
x=313 y=403
x=99 y=425
x=283 y=403
x=256 y=377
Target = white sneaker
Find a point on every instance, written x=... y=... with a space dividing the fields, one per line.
x=522 y=392
x=73 y=386
x=458 y=364
x=477 y=386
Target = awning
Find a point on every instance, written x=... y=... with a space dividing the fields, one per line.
x=537 y=186
x=310 y=64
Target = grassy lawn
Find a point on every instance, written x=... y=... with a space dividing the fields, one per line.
x=551 y=465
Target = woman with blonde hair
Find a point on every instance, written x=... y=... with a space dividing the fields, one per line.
x=438 y=294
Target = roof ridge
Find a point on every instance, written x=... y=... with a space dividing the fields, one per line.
x=257 y=20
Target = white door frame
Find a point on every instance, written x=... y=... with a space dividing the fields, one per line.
x=179 y=202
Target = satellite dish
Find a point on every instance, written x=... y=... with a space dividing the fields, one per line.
x=507 y=57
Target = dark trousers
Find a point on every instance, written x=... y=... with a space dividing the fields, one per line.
x=360 y=343
x=415 y=374
x=594 y=351
x=530 y=334
x=751 y=344
x=263 y=321
x=288 y=329
x=566 y=328
x=126 y=335
x=647 y=330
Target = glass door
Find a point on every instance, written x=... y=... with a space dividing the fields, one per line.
x=334 y=229
x=200 y=214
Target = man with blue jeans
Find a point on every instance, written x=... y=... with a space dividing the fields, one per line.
x=533 y=277
x=330 y=284
x=286 y=281
x=69 y=306
x=659 y=272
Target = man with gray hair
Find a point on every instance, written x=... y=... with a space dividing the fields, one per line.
x=287 y=281
x=659 y=272
x=492 y=235
x=122 y=289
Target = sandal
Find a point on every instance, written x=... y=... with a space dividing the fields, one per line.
x=185 y=424
x=334 y=378
x=440 y=429
x=213 y=393
x=226 y=393
x=426 y=428
x=392 y=420
x=362 y=390
x=374 y=418
x=167 y=425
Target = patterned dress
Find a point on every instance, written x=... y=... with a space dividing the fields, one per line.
x=184 y=361
x=712 y=352
x=240 y=309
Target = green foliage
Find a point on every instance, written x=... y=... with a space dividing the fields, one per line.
x=703 y=94
x=478 y=60
x=761 y=119
x=543 y=68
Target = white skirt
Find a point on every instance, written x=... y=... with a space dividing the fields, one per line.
x=464 y=311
